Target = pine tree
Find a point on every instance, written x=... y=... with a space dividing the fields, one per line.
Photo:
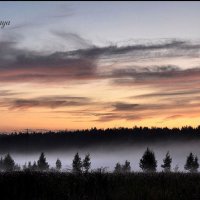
x=29 y=166
x=167 y=163
x=195 y=164
x=42 y=163
x=118 y=168
x=24 y=167
x=17 y=167
x=77 y=164
x=126 y=168
x=8 y=163
x=58 y=164
x=189 y=163
x=1 y=164
x=86 y=163
x=34 y=166
x=148 y=162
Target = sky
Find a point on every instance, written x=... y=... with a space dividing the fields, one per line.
x=78 y=65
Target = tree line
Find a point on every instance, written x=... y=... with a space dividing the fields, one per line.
x=66 y=139
x=148 y=163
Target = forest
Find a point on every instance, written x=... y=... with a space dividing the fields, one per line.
x=28 y=141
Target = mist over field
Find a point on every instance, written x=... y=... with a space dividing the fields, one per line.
x=108 y=155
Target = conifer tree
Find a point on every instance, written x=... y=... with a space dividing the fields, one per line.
x=126 y=168
x=167 y=163
x=189 y=165
x=86 y=163
x=148 y=162
x=118 y=168
x=196 y=164
x=42 y=163
x=34 y=166
x=77 y=164
x=1 y=164
x=8 y=163
x=58 y=164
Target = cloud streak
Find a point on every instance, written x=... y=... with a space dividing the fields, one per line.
x=51 y=102
x=22 y=65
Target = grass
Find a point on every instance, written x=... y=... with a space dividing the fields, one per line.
x=98 y=186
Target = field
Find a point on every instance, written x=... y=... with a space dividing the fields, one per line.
x=99 y=186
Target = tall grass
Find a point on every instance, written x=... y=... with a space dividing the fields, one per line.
x=99 y=186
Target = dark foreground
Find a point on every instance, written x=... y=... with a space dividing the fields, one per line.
x=97 y=186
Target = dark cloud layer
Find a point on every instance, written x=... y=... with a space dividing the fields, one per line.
x=45 y=102
x=22 y=65
x=158 y=76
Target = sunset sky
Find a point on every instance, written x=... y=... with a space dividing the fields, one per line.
x=77 y=65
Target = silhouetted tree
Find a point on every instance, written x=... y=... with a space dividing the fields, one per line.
x=42 y=163
x=29 y=166
x=76 y=164
x=196 y=164
x=1 y=164
x=24 y=167
x=86 y=163
x=126 y=167
x=17 y=167
x=148 y=162
x=118 y=168
x=8 y=163
x=167 y=163
x=34 y=166
x=58 y=164
x=189 y=165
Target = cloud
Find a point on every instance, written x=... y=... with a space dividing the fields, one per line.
x=131 y=112
x=75 y=39
x=25 y=66
x=168 y=48
x=173 y=117
x=5 y=93
x=114 y=116
x=52 y=102
x=124 y=106
x=158 y=76
x=87 y=63
x=168 y=94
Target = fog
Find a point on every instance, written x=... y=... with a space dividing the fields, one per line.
x=107 y=156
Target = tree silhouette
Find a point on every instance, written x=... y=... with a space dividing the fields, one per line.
x=58 y=164
x=192 y=164
x=8 y=163
x=196 y=164
x=1 y=164
x=17 y=167
x=118 y=168
x=24 y=167
x=42 y=163
x=76 y=164
x=126 y=167
x=34 y=166
x=29 y=166
x=167 y=163
x=189 y=163
x=86 y=163
x=148 y=162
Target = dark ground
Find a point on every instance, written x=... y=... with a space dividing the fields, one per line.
x=97 y=186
